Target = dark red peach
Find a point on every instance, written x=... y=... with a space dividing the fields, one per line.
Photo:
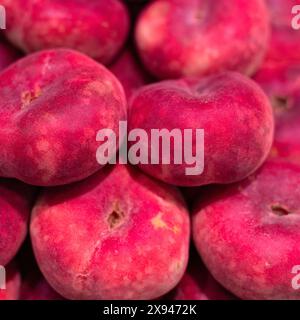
x=97 y=28
x=178 y=38
x=248 y=234
x=15 y=206
x=52 y=104
x=234 y=113
x=116 y=235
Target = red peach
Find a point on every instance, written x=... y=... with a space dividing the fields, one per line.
x=52 y=105
x=282 y=84
x=179 y=38
x=116 y=235
x=97 y=28
x=13 y=283
x=279 y=76
x=248 y=234
x=129 y=72
x=234 y=113
x=286 y=142
x=285 y=41
x=284 y=48
x=15 y=206
x=198 y=284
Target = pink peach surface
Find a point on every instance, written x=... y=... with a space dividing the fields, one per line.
x=280 y=79
x=15 y=206
x=116 y=235
x=179 y=38
x=52 y=104
x=284 y=47
x=97 y=28
x=198 y=284
x=286 y=143
x=248 y=234
x=282 y=84
x=234 y=113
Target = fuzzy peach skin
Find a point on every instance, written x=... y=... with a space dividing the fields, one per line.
x=13 y=283
x=284 y=47
x=234 y=112
x=179 y=38
x=282 y=84
x=286 y=142
x=15 y=206
x=97 y=28
x=130 y=73
x=198 y=284
x=116 y=235
x=279 y=76
x=52 y=104
x=285 y=41
x=248 y=234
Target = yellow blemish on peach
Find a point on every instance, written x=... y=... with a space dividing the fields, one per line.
x=176 y=266
x=175 y=229
x=159 y=223
x=28 y=96
x=95 y=86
